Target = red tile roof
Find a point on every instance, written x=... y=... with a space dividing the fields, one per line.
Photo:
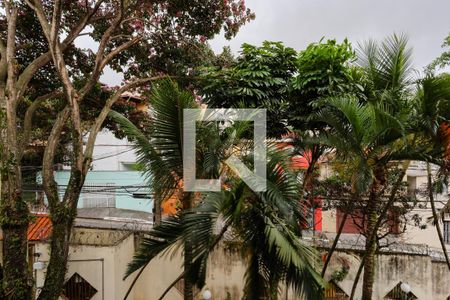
x=40 y=228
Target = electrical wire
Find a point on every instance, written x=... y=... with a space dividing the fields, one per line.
x=94 y=159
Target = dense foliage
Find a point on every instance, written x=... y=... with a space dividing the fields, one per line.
x=285 y=82
x=265 y=224
x=46 y=69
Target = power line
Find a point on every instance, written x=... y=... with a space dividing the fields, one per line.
x=94 y=159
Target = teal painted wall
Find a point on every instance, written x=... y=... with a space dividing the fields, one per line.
x=122 y=180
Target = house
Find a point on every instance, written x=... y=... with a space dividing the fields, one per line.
x=103 y=243
x=114 y=180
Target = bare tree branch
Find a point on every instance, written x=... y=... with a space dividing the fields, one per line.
x=11 y=100
x=71 y=94
x=99 y=61
x=49 y=183
x=29 y=117
x=118 y=50
x=56 y=20
x=45 y=58
x=104 y=113
x=39 y=10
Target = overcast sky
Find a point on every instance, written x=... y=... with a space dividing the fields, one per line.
x=300 y=22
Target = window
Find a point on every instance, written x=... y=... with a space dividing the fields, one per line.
x=447 y=231
x=129 y=166
x=77 y=288
x=99 y=195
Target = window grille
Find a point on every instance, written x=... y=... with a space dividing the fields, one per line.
x=99 y=195
x=77 y=288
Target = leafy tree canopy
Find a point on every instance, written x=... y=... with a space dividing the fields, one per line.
x=166 y=37
x=282 y=80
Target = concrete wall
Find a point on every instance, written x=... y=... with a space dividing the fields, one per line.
x=111 y=153
x=102 y=266
x=158 y=275
x=429 y=280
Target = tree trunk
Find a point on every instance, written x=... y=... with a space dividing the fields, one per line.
x=62 y=214
x=14 y=219
x=354 y=198
x=59 y=251
x=274 y=284
x=157 y=213
x=16 y=278
x=188 y=284
x=435 y=216
x=372 y=226
x=370 y=248
x=373 y=233
x=358 y=274
x=333 y=247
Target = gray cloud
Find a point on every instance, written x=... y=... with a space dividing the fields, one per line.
x=300 y=22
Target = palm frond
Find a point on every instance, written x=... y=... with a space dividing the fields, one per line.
x=297 y=258
x=387 y=65
x=255 y=283
x=167 y=104
x=165 y=237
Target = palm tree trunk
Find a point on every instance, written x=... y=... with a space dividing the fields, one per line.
x=354 y=197
x=372 y=234
x=157 y=214
x=188 y=285
x=188 y=258
x=435 y=216
x=370 y=248
x=273 y=287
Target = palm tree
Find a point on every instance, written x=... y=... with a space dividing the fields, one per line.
x=369 y=136
x=376 y=130
x=433 y=112
x=266 y=222
x=161 y=155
